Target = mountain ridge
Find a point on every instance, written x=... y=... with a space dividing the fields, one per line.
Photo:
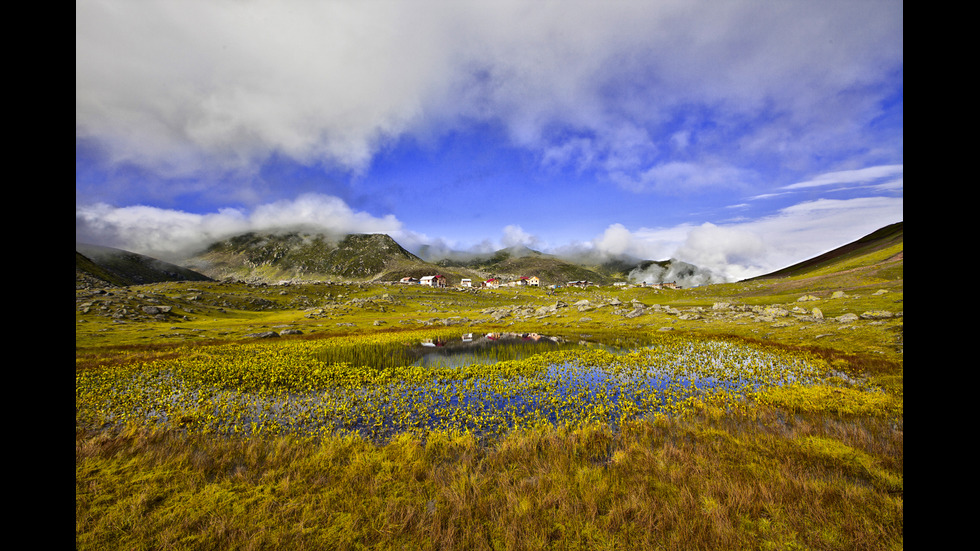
x=270 y=257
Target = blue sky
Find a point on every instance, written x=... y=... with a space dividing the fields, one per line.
x=740 y=136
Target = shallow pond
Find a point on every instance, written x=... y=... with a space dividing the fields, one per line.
x=486 y=384
x=486 y=349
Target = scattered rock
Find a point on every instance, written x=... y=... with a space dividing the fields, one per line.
x=264 y=335
x=877 y=315
x=775 y=311
x=635 y=313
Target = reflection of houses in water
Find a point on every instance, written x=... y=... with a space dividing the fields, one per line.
x=429 y=343
x=468 y=340
x=471 y=348
x=520 y=336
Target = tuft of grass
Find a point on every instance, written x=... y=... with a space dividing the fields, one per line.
x=832 y=400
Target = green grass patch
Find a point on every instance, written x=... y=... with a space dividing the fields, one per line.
x=831 y=399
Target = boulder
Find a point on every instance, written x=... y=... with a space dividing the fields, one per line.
x=877 y=315
x=264 y=335
x=775 y=311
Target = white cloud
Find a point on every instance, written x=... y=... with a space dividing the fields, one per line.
x=747 y=249
x=514 y=236
x=732 y=251
x=673 y=177
x=843 y=177
x=180 y=85
x=644 y=243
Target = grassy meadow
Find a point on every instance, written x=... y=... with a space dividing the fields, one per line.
x=751 y=415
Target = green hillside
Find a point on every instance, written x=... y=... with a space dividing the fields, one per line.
x=878 y=250
x=119 y=267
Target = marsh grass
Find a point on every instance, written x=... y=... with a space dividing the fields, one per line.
x=765 y=479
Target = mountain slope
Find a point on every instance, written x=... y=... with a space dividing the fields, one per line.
x=880 y=250
x=96 y=265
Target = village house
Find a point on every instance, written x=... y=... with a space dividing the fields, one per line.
x=533 y=281
x=665 y=285
x=466 y=282
x=492 y=283
x=433 y=281
x=408 y=281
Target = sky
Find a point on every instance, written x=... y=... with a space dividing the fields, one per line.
x=740 y=136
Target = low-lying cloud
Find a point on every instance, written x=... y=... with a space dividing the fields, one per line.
x=678 y=272
x=721 y=252
x=741 y=250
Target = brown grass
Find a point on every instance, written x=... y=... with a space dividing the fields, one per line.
x=763 y=480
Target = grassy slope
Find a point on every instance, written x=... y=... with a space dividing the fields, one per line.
x=858 y=254
x=127 y=268
x=788 y=475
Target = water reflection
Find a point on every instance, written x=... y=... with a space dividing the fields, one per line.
x=487 y=348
